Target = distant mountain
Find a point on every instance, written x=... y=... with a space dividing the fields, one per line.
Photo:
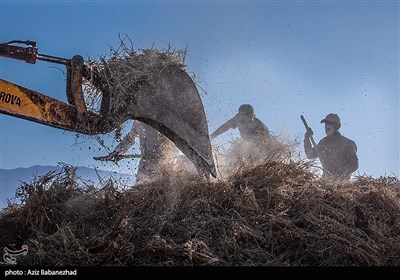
x=11 y=179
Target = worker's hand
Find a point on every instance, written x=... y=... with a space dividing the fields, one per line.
x=309 y=133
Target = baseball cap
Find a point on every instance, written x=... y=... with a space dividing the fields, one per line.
x=332 y=119
x=246 y=109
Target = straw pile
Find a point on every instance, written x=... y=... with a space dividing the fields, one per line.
x=273 y=214
x=124 y=70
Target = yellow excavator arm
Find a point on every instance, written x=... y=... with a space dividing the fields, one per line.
x=173 y=107
x=27 y=104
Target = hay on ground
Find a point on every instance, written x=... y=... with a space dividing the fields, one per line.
x=273 y=214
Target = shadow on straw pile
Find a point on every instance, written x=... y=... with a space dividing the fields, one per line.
x=274 y=214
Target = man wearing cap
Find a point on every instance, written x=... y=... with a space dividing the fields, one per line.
x=255 y=142
x=338 y=154
x=245 y=121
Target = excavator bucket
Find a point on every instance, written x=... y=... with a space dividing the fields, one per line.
x=170 y=103
x=173 y=107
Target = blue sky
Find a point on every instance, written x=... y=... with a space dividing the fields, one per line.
x=287 y=58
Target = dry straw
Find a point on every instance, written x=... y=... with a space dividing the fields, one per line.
x=274 y=214
x=124 y=70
